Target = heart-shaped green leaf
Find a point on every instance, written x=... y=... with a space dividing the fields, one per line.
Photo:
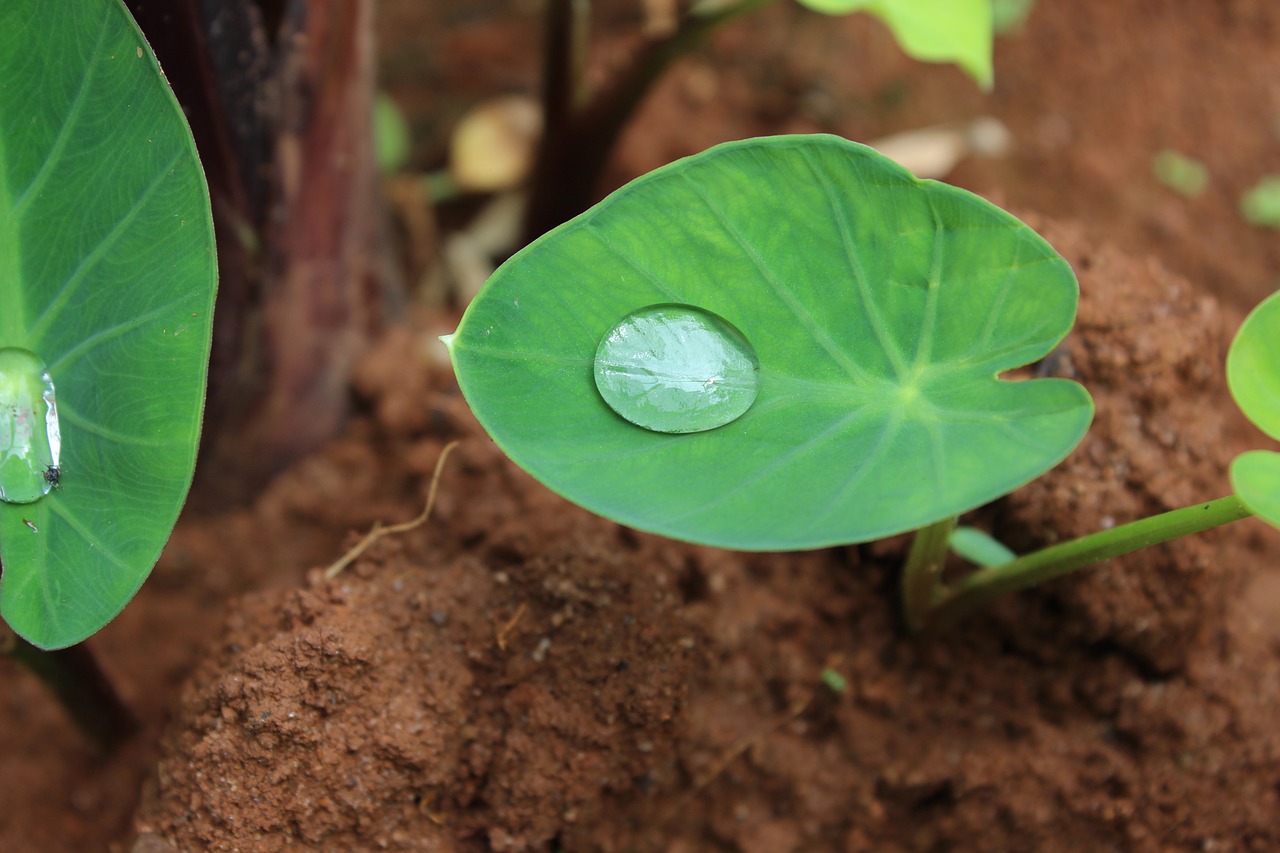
x=958 y=31
x=1253 y=374
x=107 y=277
x=881 y=309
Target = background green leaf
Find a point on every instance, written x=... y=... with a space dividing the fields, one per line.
x=881 y=307
x=107 y=273
x=958 y=31
x=1261 y=204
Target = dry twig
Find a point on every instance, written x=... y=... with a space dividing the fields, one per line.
x=378 y=530
x=506 y=629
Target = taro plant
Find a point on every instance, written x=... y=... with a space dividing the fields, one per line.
x=791 y=343
x=107 y=279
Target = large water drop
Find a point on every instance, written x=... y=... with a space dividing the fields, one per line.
x=677 y=368
x=30 y=441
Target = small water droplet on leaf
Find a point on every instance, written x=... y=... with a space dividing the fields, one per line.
x=30 y=440
x=677 y=369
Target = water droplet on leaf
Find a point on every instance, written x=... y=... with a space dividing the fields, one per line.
x=30 y=441
x=677 y=368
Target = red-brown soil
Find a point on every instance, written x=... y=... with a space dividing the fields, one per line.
x=518 y=674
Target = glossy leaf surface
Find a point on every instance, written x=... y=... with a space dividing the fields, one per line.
x=881 y=309
x=107 y=276
x=1253 y=374
x=958 y=31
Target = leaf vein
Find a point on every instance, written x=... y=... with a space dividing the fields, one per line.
x=71 y=356
x=791 y=455
x=781 y=292
x=32 y=190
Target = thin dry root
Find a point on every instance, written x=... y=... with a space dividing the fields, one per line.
x=378 y=530
x=505 y=630
x=737 y=750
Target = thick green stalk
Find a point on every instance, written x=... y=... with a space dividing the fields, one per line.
x=82 y=688
x=922 y=575
x=965 y=596
x=578 y=139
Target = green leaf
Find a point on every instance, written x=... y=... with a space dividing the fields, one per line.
x=958 y=31
x=1261 y=204
x=1180 y=173
x=391 y=142
x=1255 y=476
x=835 y=682
x=1253 y=366
x=1253 y=374
x=979 y=547
x=881 y=309
x=107 y=276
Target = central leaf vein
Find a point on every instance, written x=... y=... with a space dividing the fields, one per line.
x=892 y=425
x=928 y=324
